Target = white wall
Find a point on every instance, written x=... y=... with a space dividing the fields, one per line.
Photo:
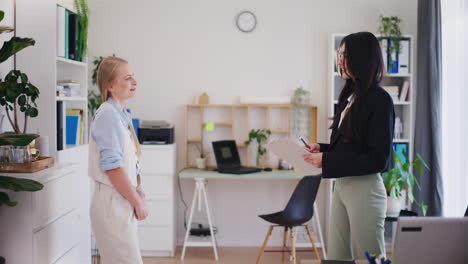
x=179 y=49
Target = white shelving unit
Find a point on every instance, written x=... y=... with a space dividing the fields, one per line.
x=76 y=71
x=38 y=20
x=403 y=109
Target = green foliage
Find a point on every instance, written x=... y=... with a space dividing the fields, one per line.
x=401 y=177
x=16 y=90
x=97 y=62
x=260 y=136
x=11 y=139
x=82 y=10
x=94 y=101
x=16 y=185
x=14 y=45
x=390 y=28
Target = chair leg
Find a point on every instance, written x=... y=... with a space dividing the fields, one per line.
x=293 y=245
x=312 y=242
x=285 y=237
x=264 y=244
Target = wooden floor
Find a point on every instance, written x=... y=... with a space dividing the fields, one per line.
x=227 y=255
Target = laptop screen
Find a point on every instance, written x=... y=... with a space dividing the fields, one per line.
x=226 y=153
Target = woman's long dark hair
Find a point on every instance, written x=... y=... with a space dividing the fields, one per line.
x=363 y=60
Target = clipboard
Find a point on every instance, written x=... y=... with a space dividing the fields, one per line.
x=288 y=150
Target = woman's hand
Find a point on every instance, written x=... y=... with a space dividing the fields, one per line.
x=314 y=159
x=141 y=212
x=313 y=148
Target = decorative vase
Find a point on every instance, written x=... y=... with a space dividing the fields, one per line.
x=201 y=163
x=393 y=206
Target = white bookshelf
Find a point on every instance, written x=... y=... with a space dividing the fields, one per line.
x=38 y=20
x=403 y=109
x=76 y=71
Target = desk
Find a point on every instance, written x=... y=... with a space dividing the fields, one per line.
x=200 y=197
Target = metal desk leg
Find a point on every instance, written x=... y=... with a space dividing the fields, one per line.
x=319 y=228
x=199 y=195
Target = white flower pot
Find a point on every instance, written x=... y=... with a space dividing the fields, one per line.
x=393 y=206
x=201 y=163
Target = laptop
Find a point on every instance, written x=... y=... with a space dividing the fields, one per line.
x=227 y=158
x=431 y=240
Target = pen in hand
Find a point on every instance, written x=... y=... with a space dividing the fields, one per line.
x=307 y=145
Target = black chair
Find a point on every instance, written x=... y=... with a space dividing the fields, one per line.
x=298 y=211
x=466 y=212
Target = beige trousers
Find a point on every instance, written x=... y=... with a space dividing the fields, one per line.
x=358 y=212
x=114 y=226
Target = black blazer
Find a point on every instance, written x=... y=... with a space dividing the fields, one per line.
x=372 y=150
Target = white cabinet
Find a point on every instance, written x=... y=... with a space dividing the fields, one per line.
x=157 y=232
x=46 y=226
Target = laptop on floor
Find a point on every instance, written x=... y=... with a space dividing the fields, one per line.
x=227 y=158
x=431 y=240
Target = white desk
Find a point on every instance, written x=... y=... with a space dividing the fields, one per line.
x=200 y=197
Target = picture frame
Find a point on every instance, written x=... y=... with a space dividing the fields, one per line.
x=402 y=150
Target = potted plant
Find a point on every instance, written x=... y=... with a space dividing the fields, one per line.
x=390 y=29
x=402 y=178
x=301 y=97
x=201 y=159
x=260 y=136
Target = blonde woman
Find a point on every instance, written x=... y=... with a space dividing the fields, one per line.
x=118 y=202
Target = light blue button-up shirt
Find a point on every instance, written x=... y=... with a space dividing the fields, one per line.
x=107 y=134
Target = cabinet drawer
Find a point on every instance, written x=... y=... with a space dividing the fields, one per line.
x=156 y=238
x=54 y=200
x=159 y=213
x=71 y=257
x=158 y=188
x=159 y=161
x=56 y=239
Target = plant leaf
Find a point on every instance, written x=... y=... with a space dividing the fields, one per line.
x=19 y=184
x=14 y=45
x=16 y=139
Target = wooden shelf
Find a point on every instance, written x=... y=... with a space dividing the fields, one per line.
x=219 y=123
x=279 y=131
x=194 y=140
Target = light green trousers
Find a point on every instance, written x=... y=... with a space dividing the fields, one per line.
x=359 y=206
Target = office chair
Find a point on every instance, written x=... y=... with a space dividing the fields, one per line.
x=298 y=211
x=466 y=212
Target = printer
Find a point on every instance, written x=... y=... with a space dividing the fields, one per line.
x=155 y=132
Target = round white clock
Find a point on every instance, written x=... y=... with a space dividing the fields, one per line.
x=246 y=21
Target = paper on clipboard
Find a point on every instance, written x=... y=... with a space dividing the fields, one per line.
x=291 y=152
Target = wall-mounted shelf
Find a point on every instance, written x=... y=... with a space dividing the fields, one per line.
x=235 y=122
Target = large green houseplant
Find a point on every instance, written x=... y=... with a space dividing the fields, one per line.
x=16 y=92
x=402 y=178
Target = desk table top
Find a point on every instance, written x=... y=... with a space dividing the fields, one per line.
x=211 y=174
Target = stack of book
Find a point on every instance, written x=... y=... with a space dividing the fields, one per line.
x=392 y=91
x=68 y=88
x=68 y=35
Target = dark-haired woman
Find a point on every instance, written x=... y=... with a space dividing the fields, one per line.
x=360 y=149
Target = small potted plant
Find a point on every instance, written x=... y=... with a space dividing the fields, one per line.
x=201 y=159
x=401 y=178
x=390 y=29
x=260 y=136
